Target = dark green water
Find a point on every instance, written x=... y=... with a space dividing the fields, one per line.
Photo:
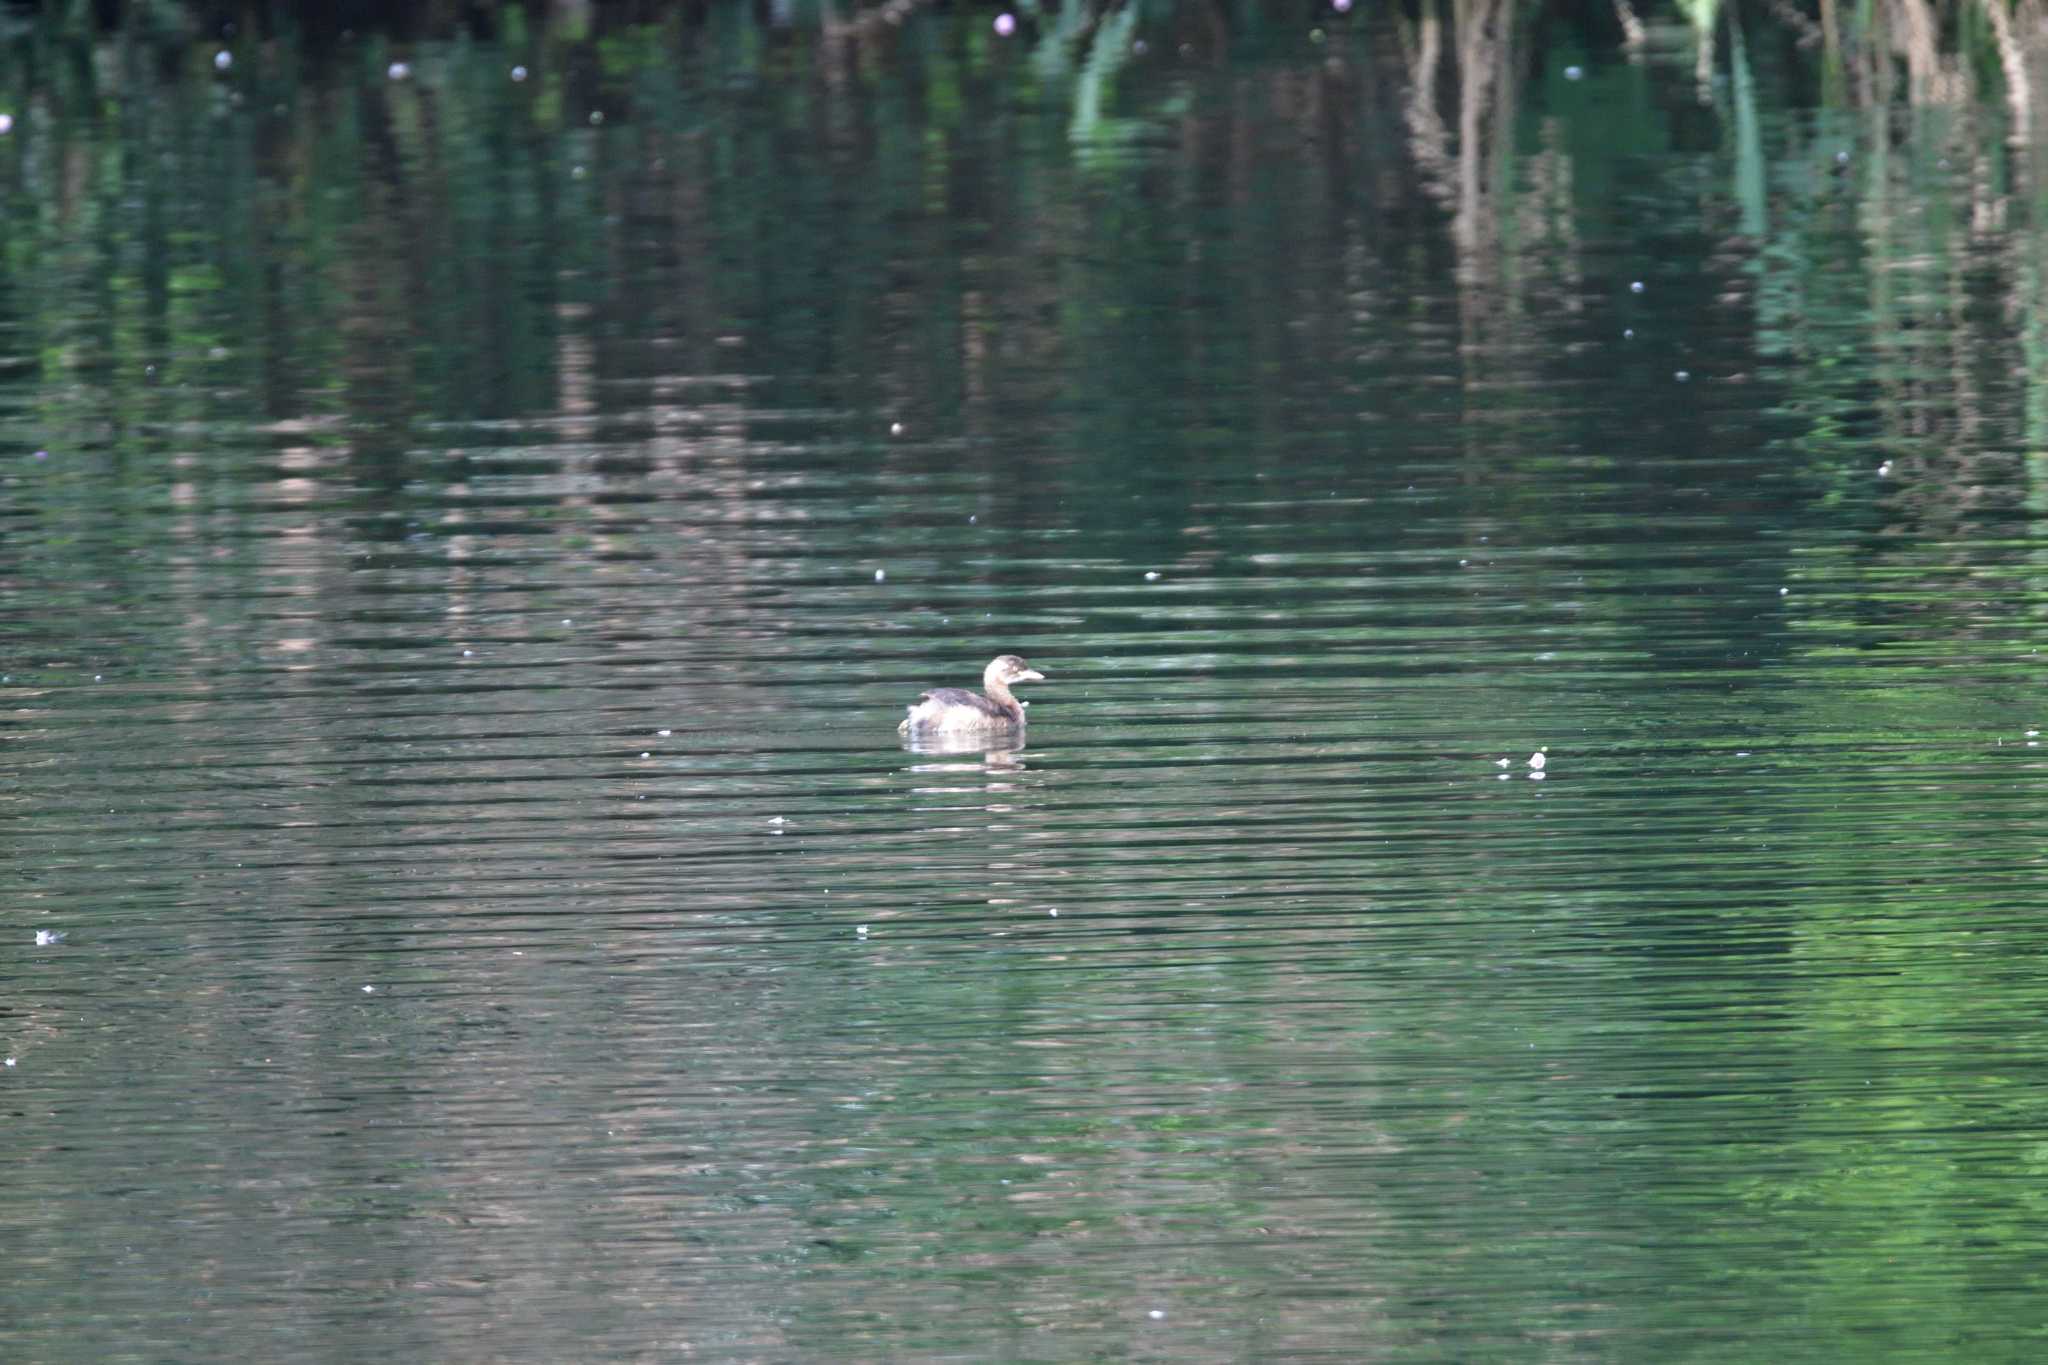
x=465 y=544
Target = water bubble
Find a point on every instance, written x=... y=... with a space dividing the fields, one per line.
x=1006 y=24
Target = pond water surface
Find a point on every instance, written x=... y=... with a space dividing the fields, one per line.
x=466 y=539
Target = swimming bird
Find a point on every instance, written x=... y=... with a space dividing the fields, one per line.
x=955 y=710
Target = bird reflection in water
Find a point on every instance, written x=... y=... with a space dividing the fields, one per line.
x=997 y=752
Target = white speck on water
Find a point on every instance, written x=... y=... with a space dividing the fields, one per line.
x=1341 y=6
x=1538 y=775
x=664 y=733
x=1572 y=73
x=1151 y=575
x=860 y=931
x=223 y=59
x=596 y=117
x=10 y=1061
x=1155 y=1315
x=1538 y=759
x=1784 y=592
x=398 y=71
x=369 y=990
x=1005 y=25
x=895 y=428
x=1502 y=762
x=1742 y=753
x=1054 y=912
x=972 y=518
x=1682 y=376
x=48 y=938
x=577 y=172
x=1635 y=286
x=518 y=73
x=881 y=575
x=776 y=819
x=99 y=677
x=1502 y=777
x=645 y=754
x=568 y=621
x=1884 y=471
x=1841 y=158
x=468 y=653
x=6 y=124
x=2032 y=733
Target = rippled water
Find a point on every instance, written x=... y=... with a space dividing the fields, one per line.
x=450 y=720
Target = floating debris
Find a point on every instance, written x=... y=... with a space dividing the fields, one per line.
x=664 y=733
x=49 y=938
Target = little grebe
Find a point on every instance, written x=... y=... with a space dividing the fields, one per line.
x=951 y=710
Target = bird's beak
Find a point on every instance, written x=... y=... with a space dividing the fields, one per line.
x=1031 y=675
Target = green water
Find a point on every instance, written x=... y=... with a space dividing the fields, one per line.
x=466 y=542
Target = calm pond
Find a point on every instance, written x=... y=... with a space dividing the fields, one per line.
x=1530 y=845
